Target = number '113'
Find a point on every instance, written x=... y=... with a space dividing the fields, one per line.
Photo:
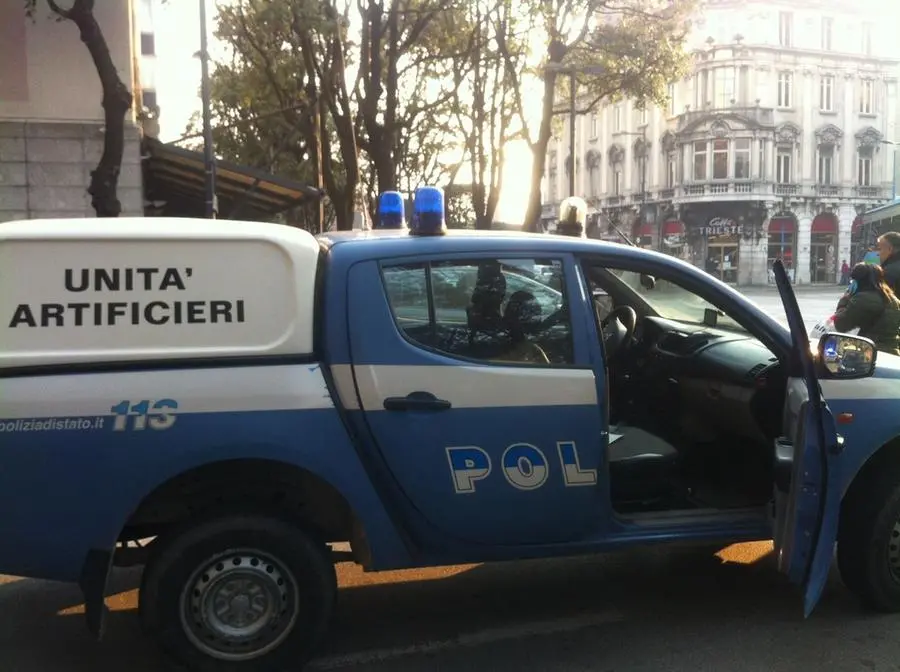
x=143 y=414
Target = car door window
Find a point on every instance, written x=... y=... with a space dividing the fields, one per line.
x=498 y=310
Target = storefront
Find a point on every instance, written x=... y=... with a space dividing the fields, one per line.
x=823 y=245
x=644 y=235
x=782 y=243
x=674 y=240
x=722 y=240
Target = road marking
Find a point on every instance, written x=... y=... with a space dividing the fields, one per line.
x=472 y=639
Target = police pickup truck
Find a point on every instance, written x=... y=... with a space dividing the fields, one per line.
x=220 y=401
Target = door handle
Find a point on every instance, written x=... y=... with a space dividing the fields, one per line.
x=416 y=401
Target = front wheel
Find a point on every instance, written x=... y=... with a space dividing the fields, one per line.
x=868 y=552
x=239 y=593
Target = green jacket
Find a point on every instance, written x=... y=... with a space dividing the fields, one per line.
x=875 y=318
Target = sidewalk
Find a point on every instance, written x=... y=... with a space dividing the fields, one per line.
x=818 y=290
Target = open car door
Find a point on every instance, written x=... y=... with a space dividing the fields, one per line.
x=807 y=482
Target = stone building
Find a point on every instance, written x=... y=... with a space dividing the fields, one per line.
x=51 y=121
x=772 y=147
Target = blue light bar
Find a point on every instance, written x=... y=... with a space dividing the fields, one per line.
x=391 y=211
x=429 y=212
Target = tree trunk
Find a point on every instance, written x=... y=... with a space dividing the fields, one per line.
x=539 y=154
x=116 y=102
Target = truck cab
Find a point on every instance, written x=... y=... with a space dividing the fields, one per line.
x=242 y=395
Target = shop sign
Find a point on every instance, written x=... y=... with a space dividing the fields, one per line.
x=721 y=226
x=674 y=240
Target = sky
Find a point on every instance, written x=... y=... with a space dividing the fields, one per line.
x=177 y=27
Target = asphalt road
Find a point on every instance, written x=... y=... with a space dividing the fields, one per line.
x=656 y=610
x=648 y=610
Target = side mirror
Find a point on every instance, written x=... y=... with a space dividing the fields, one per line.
x=844 y=356
x=647 y=281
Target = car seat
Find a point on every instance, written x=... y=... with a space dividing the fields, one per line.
x=483 y=311
x=521 y=317
x=643 y=468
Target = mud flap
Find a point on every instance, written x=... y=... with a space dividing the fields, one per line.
x=93 y=580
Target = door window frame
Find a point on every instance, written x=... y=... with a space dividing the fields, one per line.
x=574 y=294
x=757 y=323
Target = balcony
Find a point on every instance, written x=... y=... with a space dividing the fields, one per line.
x=787 y=189
x=762 y=116
x=827 y=191
x=615 y=200
x=870 y=192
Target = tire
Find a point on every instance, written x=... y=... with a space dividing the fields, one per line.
x=207 y=595
x=868 y=554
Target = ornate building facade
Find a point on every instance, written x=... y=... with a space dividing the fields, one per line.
x=773 y=146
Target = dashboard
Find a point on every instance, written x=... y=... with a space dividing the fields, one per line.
x=712 y=382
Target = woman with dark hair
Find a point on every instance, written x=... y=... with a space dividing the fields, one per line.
x=871 y=306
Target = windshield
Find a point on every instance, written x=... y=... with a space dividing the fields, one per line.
x=674 y=302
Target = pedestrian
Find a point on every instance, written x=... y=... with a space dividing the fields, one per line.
x=845 y=273
x=871 y=306
x=889 y=254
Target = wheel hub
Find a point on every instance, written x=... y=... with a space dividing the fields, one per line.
x=239 y=606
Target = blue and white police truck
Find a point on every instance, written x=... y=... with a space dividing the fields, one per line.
x=238 y=396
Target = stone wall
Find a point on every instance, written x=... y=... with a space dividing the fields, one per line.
x=45 y=170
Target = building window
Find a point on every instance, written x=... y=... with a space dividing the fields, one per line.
x=827 y=23
x=148 y=99
x=826 y=93
x=867 y=96
x=720 y=159
x=785 y=88
x=864 y=171
x=617 y=118
x=593 y=126
x=643 y=117
x=724 y=87
x=867 y=38
x=617 y=183
x=670 y=173
x=671 y=99
x=783 y=166
x=785 y=29
x=742 y=159
x=148 y=44
x=700 y=161
x=454 y=308
x=826 y=163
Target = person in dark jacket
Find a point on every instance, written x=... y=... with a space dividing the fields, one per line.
x=889 y=253
x=872 y=307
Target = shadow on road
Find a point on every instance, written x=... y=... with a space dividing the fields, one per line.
x=651 y=591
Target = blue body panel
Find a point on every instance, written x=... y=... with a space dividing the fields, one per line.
x=62 y=494
x=89 y=483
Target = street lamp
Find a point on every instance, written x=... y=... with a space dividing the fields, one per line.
x=209 y=160
x=573 y=72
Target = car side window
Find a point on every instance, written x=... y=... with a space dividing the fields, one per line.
x=496 y=310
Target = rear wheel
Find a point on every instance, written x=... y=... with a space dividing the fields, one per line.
x=868 y=553
x=239 y=593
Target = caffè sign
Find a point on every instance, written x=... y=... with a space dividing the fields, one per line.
x=721 y=226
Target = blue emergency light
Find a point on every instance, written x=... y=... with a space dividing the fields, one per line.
x=390 y=211
x=428 y=219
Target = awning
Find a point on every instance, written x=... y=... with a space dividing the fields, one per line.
x=645 y=230
x=782 y=225
x=824 y=222
x=883 y=212
x=673 y=227
x=176 y=176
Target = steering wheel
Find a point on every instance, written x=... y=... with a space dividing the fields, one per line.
x=617 y=330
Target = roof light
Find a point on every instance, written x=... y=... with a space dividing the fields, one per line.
x=572 y=217
x=428 y=217
x=391 y=213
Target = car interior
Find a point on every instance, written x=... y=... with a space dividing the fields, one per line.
x=695 y=404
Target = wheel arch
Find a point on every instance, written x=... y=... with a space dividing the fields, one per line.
x=882 y=461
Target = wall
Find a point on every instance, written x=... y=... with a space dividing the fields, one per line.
x=62 y=83
x=51 y=132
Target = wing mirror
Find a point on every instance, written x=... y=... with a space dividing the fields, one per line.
x=647 y=281
x=844 y=356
